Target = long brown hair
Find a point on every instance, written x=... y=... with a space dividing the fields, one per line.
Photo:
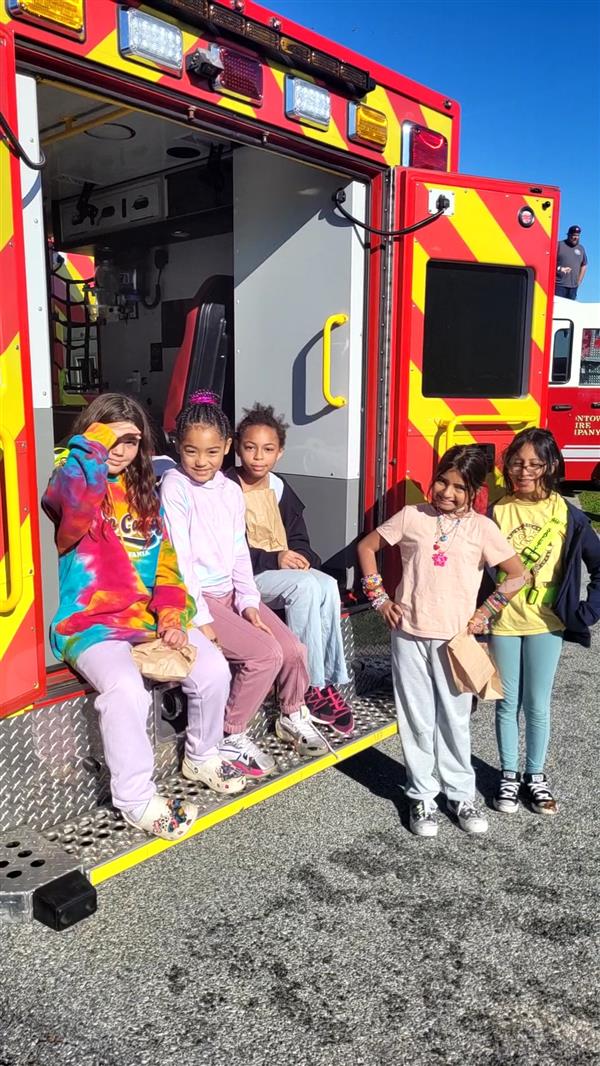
x=470 y=462
x=140 y=480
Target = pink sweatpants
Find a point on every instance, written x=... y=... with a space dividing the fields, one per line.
x=123 y=703
x=258 y=660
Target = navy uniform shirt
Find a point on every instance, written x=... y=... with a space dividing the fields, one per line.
x=569 y=256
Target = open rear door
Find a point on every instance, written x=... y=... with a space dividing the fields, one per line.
x=22 y=672
x=473 y=310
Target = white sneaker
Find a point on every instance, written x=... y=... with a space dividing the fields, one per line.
x=215 y=773
x=169 y=819
x=298 y=730
x=422 y=820
x=246 y=756
x=470 y=818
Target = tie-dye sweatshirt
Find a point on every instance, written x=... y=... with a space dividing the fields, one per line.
x=114 y=584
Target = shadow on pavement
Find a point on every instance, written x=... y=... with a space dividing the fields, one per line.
x=381 y=775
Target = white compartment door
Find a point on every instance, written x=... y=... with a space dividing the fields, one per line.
x=299 y=275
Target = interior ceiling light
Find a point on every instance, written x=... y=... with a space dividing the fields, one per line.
x=111 y=131
x=184 y=152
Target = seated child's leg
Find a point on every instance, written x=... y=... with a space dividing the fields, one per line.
x=299 y=592
x=207 y=689
x=122 y=704
x=335 y=668
x=255 y=656
x=293 y=675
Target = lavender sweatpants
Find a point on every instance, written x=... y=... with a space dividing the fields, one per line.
x=123 y=703
x=258 y=660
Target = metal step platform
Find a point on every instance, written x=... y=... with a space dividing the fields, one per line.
x=55 y=810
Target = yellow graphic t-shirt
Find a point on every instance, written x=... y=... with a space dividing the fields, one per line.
x=522 y=521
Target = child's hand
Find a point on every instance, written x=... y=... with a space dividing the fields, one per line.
x=251 y=615
x=125 y=429
x=174 y=638
x=289 y=560
x=391 y=613
x=479 y=623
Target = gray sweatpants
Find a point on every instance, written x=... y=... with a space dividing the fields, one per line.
x=433 y=720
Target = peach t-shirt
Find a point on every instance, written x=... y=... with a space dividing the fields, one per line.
x=438 y=601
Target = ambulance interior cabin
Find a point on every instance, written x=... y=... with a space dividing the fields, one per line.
x=173 y=260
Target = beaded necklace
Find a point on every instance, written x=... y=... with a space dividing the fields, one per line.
x=443 y=539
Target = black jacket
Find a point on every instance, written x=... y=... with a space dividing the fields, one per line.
x=581 y=545
x=291 y=510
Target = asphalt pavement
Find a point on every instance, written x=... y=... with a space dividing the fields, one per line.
x=315 y=930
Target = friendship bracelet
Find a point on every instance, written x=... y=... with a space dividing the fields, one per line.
x=379 y=601
x=371 y=582
x=495 y=603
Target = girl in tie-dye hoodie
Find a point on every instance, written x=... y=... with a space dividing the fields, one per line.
x=120 y=585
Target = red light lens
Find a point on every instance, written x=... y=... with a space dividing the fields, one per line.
x=242 y=76
x=428 y=149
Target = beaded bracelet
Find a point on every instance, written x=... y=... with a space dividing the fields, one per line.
x=495 y=603
x=379 y=601
x=371 y=583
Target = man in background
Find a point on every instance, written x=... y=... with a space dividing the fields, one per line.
x=571 y=264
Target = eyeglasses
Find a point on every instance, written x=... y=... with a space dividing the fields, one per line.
x=532 y=468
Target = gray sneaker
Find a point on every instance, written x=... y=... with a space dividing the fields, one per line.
x=422 y=820
x=469 y=817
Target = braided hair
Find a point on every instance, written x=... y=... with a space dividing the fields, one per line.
x=202 y=409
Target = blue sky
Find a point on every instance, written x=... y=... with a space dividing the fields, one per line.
x=526 y=74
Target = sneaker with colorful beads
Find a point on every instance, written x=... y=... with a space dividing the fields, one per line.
x=168 y=818
x=328 y=707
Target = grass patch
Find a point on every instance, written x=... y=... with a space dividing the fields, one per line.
x=590 y=505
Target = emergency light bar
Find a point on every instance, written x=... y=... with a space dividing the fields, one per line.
x=424 y=148
x=219 y=19
x=150 y=41
x=64 y=14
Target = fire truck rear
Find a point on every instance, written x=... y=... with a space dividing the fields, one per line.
x=201 y=193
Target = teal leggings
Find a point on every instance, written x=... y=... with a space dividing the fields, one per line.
x=527 y=666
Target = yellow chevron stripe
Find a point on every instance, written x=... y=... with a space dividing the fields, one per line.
x=420 y=261
x=426 y=412
x=441 y=123
x=11 y=389
x=380 y=100
x=538 y=315
x=544 y=217
x=331 y=136
x=107 y=53
x=231 y=103
x=525 y=407
x=11 y=623
x=6 y=219
x=480 y=231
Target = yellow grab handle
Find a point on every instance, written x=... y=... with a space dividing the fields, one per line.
x=467 y=420
x=13 y=524
x=333 y=320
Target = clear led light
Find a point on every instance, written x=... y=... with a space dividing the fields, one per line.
x=150 y=41
x=307 y=103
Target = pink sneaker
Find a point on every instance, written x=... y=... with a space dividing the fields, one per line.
x=328 y=707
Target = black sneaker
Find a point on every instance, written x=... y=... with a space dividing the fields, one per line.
x=539 y=795
x=506 y=799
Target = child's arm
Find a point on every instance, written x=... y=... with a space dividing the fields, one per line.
x=372 y=580
x=174 y=607
x=177 y=511
x=246 y=593
x=589 y=609
x=77 y=488
x=298 y=539
x=512 y=583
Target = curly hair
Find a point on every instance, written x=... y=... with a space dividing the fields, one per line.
x=140 y=480
x=548 y=453
x=471 y=463
x=260 y=415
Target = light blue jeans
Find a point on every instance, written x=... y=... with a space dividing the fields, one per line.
x=527 y=666
x=311 y=601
